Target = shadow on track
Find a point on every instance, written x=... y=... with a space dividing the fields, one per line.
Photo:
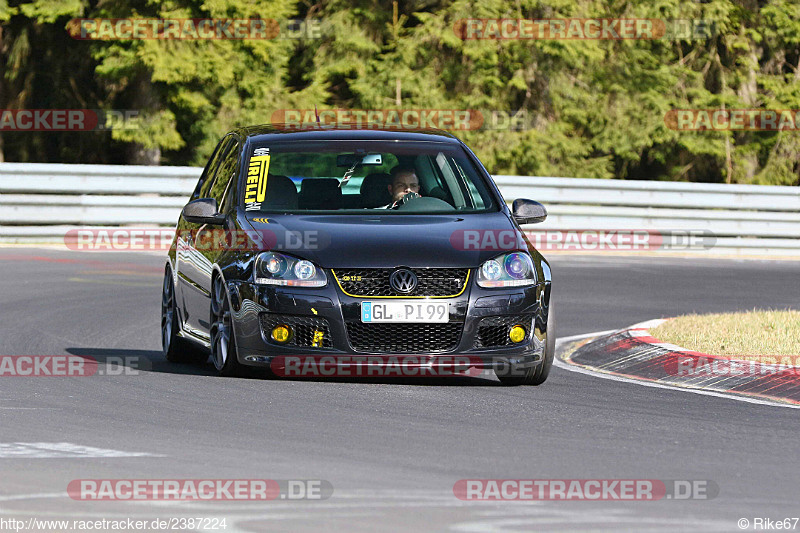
x=153 y=361
x=141 y=360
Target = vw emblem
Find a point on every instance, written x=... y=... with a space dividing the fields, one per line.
x=403 y=280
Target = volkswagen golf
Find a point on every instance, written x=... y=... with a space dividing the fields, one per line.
x=355 y=242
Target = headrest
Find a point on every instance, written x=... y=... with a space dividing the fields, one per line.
x=281 y=193
x=375 y=190
x=320 y=193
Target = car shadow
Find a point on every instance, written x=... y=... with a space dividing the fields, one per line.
x=448 y=381
x=130 y=361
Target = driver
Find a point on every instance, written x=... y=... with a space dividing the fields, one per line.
x=404 y=182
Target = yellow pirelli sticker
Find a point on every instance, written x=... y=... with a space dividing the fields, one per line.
x=257 y=171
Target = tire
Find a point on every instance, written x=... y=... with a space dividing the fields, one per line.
x=537 y=374
x=175 y=349
x=223 y=337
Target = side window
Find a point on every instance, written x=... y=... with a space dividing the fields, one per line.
x=449 y=177
x=213 y=171
x=475 y=196
x=211 y=168
x=427 y=169
x=224 y=189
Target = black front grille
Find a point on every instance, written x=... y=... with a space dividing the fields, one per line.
x=431 y=282
x=493 y=330
x=307 y=331
x=404 y=338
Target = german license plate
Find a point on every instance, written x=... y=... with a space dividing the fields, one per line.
x=405 y=311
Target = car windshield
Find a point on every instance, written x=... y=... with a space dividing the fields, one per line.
x=357 y=176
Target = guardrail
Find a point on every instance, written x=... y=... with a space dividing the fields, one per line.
x=740 y=219
x=41 y=202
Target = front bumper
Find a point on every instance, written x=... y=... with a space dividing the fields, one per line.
x=472 y=314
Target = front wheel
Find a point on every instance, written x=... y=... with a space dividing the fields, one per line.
x=538 y=374
x=223 y=338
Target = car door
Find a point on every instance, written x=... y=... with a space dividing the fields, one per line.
x=206 y=241
x=188 y=263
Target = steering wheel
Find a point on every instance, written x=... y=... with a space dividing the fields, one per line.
x=423 y=204
x=407 y=197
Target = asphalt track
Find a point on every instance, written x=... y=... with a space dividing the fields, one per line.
x=392 y=450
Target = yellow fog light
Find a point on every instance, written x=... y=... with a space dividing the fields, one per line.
x=281 y=333
x=517 y=333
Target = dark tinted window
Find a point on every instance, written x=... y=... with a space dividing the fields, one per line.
x=218 y=175
x=224 y=180
x=211 y=168
x=356 y=175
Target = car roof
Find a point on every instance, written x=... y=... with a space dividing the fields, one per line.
x=343 y=132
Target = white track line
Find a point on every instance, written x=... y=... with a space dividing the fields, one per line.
x=580 y=370
x=62 y=450
x=584 y=336
x=42 y=495
x=31 y=408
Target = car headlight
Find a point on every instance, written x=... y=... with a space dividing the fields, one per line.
x=508 y=270
x=278 y=269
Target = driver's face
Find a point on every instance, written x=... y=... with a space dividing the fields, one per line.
x=403 y=183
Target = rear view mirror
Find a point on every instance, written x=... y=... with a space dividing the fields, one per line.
x=347 y=160
x=528 y=211
x=203 y=211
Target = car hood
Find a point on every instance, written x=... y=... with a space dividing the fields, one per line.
x=340 y=241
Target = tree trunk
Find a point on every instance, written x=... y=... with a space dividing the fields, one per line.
x=144 y=100
x=748 y=92
x=136 y=154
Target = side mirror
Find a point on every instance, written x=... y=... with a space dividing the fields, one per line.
x=203 y=211
x=528 y=211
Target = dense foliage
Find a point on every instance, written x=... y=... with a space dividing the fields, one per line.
x=593 y=108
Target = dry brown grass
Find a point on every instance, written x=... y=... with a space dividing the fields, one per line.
x=750 y=334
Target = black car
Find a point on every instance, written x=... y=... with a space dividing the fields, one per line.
x=351 y=242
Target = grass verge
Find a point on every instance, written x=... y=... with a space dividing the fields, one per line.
x=749 y=335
